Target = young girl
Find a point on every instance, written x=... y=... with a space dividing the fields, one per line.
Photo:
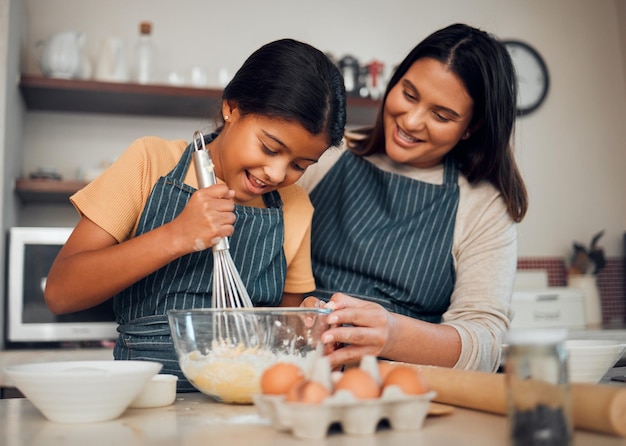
x=414 y=236
x=145 y=231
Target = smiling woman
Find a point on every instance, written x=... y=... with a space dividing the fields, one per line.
x=414 y=236
x=435 y=110
x=144 y=219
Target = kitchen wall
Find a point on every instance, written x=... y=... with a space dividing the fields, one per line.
x=571 y=151
x=11 y=121
x=4 y=20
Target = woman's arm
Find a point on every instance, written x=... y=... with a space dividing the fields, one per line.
x=366 y=328
x=486 y=260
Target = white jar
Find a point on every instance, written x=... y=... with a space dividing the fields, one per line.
x=593 y=305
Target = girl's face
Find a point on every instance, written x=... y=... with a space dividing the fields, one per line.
x=426 y=114
x=255 y=154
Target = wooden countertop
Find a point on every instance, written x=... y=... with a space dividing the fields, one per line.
x=194 y=419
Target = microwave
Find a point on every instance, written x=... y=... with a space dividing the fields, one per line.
x=31 y=252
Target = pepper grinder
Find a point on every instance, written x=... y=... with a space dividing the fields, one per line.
x=538 y=393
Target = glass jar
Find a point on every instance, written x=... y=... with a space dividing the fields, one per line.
x=145 y=55
x=539 y=408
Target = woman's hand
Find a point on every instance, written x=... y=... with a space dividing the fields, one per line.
x=361 y=327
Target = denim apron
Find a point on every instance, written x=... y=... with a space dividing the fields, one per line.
x=257 y=251
x=385 y=238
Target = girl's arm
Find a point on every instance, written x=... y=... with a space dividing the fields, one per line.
x=92 y=267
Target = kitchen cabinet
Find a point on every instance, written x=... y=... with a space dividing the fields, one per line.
x=51 y=94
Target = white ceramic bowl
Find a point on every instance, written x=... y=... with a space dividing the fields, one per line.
x=589 y=360
x=82 y=391
x=159 y=391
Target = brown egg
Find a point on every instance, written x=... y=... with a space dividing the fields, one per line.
x=278 y=378
x=407 y=378
x=384 y=368
x=362 y=385
x=305 y=391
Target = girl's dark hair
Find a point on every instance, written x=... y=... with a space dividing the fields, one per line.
x=484 y=66
x=291 y=80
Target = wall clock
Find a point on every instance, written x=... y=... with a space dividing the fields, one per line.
x=533 y=80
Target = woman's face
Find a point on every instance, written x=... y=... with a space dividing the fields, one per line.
x=256 y=154
x=426 y=114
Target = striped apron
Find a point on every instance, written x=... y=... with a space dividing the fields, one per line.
x=385 y=238
x=256 y=248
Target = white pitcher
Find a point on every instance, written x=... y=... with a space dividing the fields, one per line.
x=61 y=54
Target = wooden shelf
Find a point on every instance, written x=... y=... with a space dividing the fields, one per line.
x=46 y=191
x=42 y=93
x=51 y=94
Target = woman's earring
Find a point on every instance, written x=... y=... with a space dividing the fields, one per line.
x=226 y=117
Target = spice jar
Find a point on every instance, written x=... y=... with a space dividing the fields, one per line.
x=539 y=409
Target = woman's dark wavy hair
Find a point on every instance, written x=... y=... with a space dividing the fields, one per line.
x=294 y=81
x=484 y=66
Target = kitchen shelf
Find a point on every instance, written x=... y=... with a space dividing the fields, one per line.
x=46 y=191
x=52 y=94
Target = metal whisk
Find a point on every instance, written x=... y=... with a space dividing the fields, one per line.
x=228 y=288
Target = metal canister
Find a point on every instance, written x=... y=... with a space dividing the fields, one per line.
x=350 y=69
x=539 y=405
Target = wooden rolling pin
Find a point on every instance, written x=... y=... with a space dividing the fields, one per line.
x=595 y=407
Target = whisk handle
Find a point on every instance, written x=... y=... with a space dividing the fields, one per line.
x=205 y=170
x=205 y=175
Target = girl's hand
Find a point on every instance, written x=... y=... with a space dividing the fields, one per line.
x=207 y=217
x=362 y=327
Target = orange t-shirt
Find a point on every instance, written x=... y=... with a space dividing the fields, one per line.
x=116 y=199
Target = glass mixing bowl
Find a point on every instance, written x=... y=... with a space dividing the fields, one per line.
x=224 y=352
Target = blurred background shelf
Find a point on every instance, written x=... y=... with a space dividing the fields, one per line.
x=51 y=94
x=46 y=191
x=69 y=95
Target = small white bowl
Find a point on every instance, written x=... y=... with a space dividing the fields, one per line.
x=589 y=360
x=82 y=391
x=158 y=392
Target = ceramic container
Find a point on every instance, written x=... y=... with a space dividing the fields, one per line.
x=158 y=392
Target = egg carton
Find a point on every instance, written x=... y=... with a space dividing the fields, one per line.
x=356 y=416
